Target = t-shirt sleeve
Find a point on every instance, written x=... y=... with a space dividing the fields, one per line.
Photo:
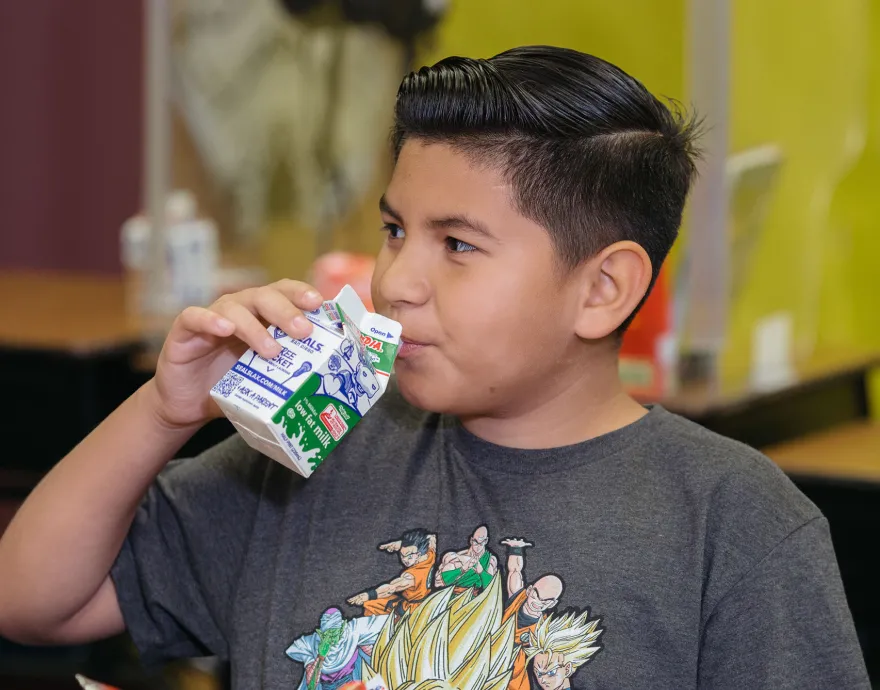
x=176 y=573
x=785 y=624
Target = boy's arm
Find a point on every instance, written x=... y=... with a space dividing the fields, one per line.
x=56 y=554
x=785 y=624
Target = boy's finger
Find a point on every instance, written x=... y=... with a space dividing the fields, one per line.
x=299 y=293
x=248 y=328
x=275 y=308
x=200 y=320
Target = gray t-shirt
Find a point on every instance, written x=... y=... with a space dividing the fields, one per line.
x=656 y=556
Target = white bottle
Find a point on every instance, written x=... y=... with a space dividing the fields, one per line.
x=135 y=249
x=194 y=258
x=192 y=253
x=191 y=256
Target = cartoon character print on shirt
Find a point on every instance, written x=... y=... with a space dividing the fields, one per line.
x=461 y=622
x=471 y=568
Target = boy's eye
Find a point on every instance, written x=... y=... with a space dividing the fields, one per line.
x=395 y=232
x=458 y=247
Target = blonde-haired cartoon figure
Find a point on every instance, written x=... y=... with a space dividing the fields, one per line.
x=450 y=641
x=560 y=646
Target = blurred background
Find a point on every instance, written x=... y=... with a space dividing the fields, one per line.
x=158 y=153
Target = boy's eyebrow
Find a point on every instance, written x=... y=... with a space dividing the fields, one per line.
x=453 y=222
x=385 y=208
x=461 y=222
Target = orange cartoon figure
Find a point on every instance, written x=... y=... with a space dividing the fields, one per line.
x=529 y=603
x=417 y=550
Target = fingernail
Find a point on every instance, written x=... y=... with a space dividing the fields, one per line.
x=312 y=295
x=300 y=323
x=225 y=324
x=271 y=345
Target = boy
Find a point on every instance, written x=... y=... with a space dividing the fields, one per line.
x=534 y=198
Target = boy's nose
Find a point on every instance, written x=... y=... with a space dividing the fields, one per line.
x=405 y=280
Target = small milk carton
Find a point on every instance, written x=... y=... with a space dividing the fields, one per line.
x=296 y=407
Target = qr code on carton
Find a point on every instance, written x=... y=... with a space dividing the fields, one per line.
x=227 y=384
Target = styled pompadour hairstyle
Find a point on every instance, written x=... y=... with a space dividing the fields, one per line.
x=591 y=155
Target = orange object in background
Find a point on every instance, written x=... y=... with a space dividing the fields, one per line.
x=331 y=272
x=641 y=368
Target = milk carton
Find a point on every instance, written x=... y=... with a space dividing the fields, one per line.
x=297 y=406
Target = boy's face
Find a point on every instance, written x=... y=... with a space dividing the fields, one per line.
x=486 y=308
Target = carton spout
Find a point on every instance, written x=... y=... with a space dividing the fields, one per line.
x=378 y=337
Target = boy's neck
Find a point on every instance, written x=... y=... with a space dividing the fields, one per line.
x=575 y=408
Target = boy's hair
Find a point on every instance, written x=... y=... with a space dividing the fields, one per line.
x=592 y=156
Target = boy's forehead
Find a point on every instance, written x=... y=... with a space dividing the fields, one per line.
x=435 y=179
x=440 y=189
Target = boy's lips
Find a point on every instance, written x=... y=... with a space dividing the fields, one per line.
x=409 y=347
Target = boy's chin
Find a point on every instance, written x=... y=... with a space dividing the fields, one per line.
x=440 y=396
x=417 y=393
x=428 y=394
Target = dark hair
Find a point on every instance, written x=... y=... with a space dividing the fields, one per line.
x=592 y=156
x=418 y=538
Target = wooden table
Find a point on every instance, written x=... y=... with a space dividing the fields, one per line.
x=74 y=314
x=831 y=389
x=63 y=337
x=67 y=336
x=850 y=452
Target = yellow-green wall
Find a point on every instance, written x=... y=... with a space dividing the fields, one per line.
x=799 y=80
x=644 y=37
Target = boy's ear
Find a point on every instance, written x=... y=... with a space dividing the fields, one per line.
x=614 y=282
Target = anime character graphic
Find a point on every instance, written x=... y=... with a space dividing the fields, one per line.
x=560 y=646
x=354 y=384
x=331 y=654
x=472 y=568
x=497 y=631
x=527 y=605
x=450 y=641
x=417 y=550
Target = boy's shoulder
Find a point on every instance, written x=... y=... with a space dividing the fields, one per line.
x=743 y=507
x=732 y=473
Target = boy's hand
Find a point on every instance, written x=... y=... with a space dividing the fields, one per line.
x=204 y=343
